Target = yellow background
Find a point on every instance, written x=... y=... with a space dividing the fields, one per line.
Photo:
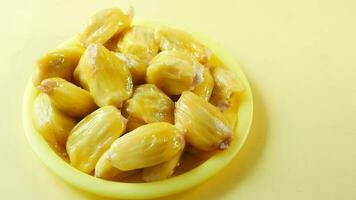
x=300 y=58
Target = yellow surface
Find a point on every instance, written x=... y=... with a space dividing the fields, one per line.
x=298 y=55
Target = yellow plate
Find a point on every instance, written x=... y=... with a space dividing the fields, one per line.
x=145 y=190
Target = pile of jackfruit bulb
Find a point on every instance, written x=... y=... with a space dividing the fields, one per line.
x=121 y=99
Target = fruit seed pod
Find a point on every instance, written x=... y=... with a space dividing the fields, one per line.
x=205 y=87
x=136 y=66
x=67 y=97
x=93 y=135
x=146 y=146
x=204 y=125
x=57 y=63
x=107 y=78
x=173 y=39
x=149 y=104
x=174 y=72
x=225 y=84
x=231 y=112
x=139 y=41
x=53 y=125
x=161 y=171
x=105 y=170
x=104 y=25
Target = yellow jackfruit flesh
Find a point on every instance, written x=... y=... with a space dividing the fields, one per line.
x=205 y=127
x=139 y=41
x=205 y=87
x=93 y=135
x=52 y=124
x=173 y=39
x=174 y=72
x=67 y=97
x=146 y=146
x=150 y=104
x=57 y=63
x=104 y=25
x=105 y=170
x=161 y=171
x=107 y=78
x=136 y=66
x=225 y=84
